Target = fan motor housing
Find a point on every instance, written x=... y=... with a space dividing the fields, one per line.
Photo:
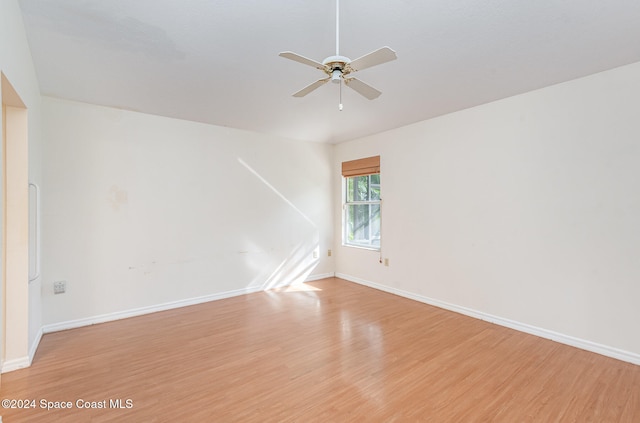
x=337 y=63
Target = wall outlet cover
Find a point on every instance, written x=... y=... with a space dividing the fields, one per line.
x=59 y=287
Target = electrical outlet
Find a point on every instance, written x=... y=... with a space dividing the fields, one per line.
x=386 y=262
x=328 y=253
x=315 y=254
x=60 y=287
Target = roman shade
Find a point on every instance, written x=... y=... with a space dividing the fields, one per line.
x=360 y=167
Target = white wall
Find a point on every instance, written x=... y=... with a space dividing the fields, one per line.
x=142 y=210
x=16 y=65
x=526 y=209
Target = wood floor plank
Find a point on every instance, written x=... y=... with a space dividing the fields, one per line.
x=329 y=351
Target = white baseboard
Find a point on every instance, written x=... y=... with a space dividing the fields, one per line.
x=312 y=278
x=15 y=364
x=22 y=362
x=522 y=327
x=72 y=324
x=34 y=346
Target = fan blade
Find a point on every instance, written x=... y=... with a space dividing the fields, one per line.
x=306 y=90
x=362 y=88
x=301 y=59
x=382 y=55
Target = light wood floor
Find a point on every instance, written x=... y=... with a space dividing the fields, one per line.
x=336 y=352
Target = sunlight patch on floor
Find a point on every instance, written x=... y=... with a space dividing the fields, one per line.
x=302 y=287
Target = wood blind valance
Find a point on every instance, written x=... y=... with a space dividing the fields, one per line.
x=361 y=167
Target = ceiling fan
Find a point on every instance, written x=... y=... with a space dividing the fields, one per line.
x=338 y=68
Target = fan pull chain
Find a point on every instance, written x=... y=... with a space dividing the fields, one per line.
x=340 y=104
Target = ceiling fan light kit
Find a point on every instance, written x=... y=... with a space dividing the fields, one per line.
x=338 y=67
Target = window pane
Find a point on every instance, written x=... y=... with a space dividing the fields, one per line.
x=362 y=221
x=362 y=188
x=350 y=190
x=375 y=187
x=375 y=225
x=363 y=225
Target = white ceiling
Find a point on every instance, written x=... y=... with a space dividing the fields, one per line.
x=217 y=61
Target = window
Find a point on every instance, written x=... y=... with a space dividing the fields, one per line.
x=361 y=207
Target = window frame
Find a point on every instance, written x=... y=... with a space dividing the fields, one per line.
x=349 y=205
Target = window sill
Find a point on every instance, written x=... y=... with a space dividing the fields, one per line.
x=361 y=247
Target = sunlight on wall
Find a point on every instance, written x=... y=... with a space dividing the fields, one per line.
x=303 y=257
x=278 y=193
